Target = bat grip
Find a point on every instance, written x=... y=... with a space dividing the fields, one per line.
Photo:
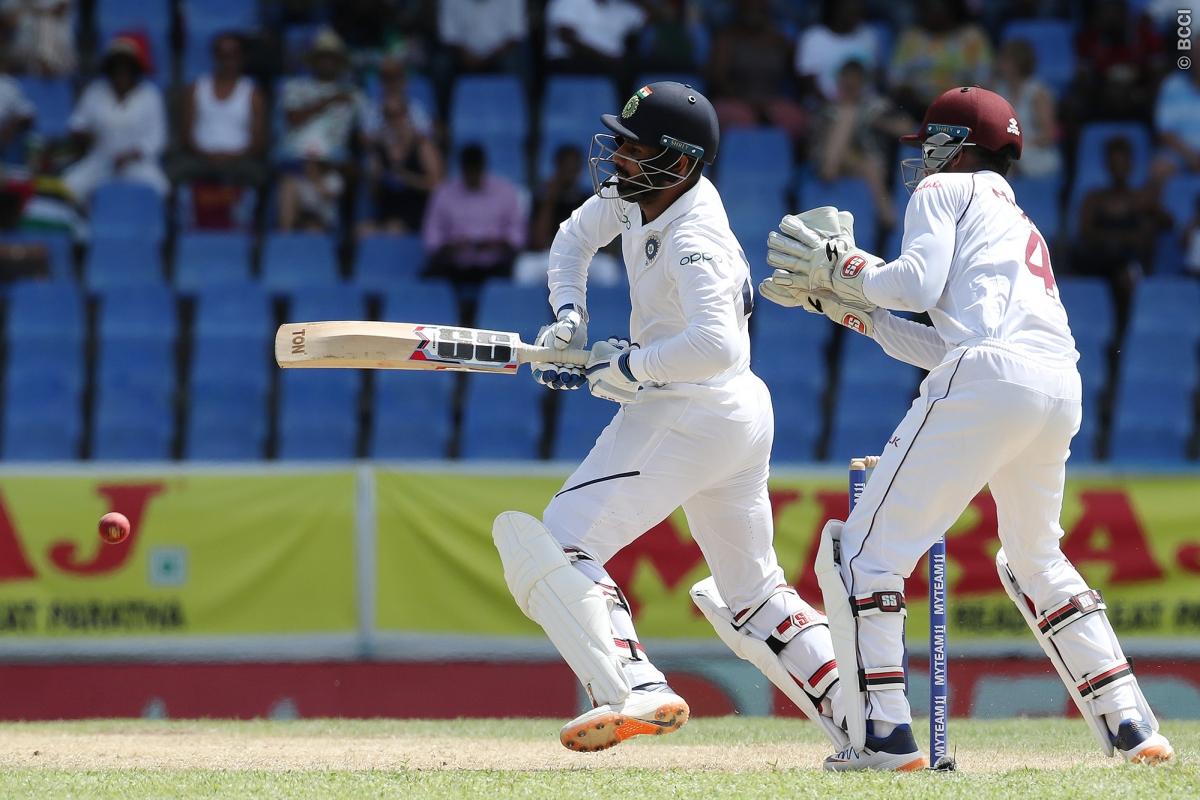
x=553 y=355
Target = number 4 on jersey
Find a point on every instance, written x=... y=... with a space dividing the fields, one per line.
x=1037 y=258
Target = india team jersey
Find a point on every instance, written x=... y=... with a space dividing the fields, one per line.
x=979 y=266
x=689 y=284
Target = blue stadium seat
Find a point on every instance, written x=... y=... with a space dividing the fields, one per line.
x=1168 y=254
x=386 y=261
x=1093 y=369
x=802 y=400
x=847 y=194
x=863 y=422
x=138 y=312
x=227 y=421
x=132 y=426
x=233 y=311
x=429 y=302
x=1157 y=357
x=788 y=333
x=581 y=418
x=49 y=310
x=755 y=159
x=54 y=99
x=136 y=366
x=574 y=103
x=316 y=303
x=1084 y=445
x=58 y=247
x=413 y=414
x=507 y=307
x=1038 y=198
x=211 y=259
x=128 y=210
x=118 y=263
x=1152 y=423
x=484 y=106
x=752 y=215
x=42 y=423
x=1090 y=171
x=294 y=260
x=502 y=418
x=245 y=363
x=608 y=311
x=865 y=368
x=318 y=414
x=1181 y=199
x=1089 y=306
x=1168 y=306
x=1053 y=43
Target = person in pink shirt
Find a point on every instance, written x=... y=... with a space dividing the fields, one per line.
x=475 y=224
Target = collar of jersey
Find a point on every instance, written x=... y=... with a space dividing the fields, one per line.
x=683 y=204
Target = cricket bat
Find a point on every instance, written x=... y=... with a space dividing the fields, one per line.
x=405 y=345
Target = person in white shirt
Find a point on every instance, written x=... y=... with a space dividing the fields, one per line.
x=590 y=35
x=224 y=122
x=840 y=37
x=121 y=122
x=16 y=112
x=694 y=429
x=999 y=408
x=483 y=35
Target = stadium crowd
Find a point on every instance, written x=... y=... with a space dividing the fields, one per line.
x=446 y=140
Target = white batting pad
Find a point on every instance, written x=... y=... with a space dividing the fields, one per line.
x=750 y=648
x=570 y=608
x=843 y=629
x=1085 y=687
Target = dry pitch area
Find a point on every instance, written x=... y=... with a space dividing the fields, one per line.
x=727 y=757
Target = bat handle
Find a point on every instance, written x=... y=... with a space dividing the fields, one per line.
x=530 y=352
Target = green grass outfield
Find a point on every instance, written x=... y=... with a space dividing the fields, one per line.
x=713 y=757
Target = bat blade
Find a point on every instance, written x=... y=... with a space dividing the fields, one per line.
x=404 y=345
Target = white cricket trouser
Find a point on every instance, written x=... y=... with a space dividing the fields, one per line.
x=708 y=455
x=984 y=416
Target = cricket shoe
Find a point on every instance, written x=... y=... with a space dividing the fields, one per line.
x=896 y=752
x=1141 y=744
x=650 y=710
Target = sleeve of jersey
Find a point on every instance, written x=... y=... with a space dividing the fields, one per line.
x=590 y=227
x=908 y=341
x=710 y=344
x=915 y=280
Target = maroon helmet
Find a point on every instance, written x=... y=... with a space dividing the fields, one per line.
x=963 y=117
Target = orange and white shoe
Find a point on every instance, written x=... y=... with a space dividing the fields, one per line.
x=1141 y=744
x=896 y=752
x=646 y=712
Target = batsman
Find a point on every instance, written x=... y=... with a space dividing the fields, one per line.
x=694 y=429
x=999 y=406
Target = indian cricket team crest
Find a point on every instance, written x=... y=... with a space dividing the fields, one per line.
x=653 y=245
x=631 y=106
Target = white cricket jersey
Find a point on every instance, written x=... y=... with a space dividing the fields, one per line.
x=689 y=284
x=979 y=266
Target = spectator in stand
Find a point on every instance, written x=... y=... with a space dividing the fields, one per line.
x=1119 y=59
x=41 y=41
x=119 y=123
x=1191 y=242
x=322 y=112
x=592 y=35
x=16 y=114
x=1177 y=122
x=224 y=122
x=483 y=35
x=1118 y=225
x=669 y=42
x=404 y=167
x=475 y=224
x=852 y=137
x=943 y=50
x=841 y=36
x=749 y=73
x=560 y=196
x=393 y=86
x=1016 y=80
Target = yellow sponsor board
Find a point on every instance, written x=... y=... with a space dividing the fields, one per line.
x=1136 y=539
x=208 y=555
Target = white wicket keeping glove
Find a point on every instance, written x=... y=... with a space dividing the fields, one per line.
x=829 y=263
x=791 y=291
x=608 y=374
x=568 y=331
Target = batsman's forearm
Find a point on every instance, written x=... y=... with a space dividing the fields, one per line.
x=692 y=356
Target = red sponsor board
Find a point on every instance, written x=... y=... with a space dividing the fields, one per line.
x=446 y=690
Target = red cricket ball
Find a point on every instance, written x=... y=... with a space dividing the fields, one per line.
x=114 y=527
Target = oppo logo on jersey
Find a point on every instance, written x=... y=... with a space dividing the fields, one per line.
x=694 y=258
x=852 y=266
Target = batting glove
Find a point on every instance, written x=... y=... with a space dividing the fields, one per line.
x=568 y=331
x=608 y=373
